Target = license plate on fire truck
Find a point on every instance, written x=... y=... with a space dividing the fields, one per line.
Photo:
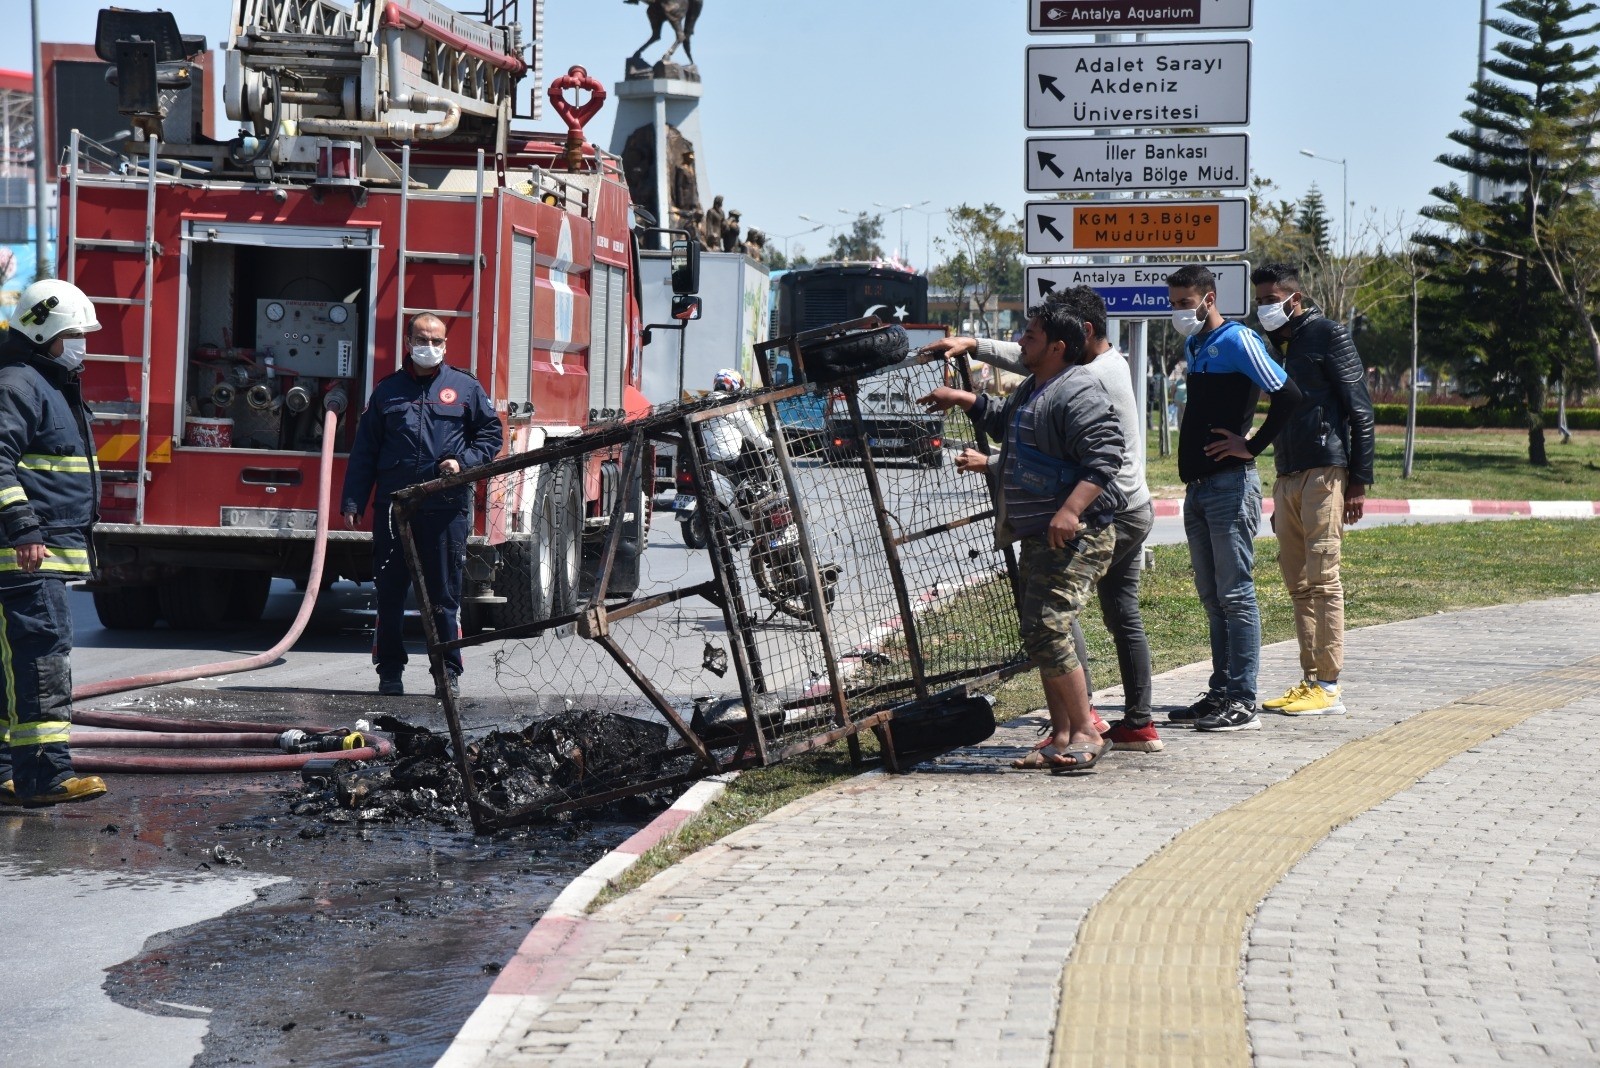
x=270 y=518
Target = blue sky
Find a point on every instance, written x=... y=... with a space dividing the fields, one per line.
x=815 y=105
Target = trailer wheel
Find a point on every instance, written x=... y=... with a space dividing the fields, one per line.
x=127 y=607
x=569 y=546
x=248 y=598
x=856 y=354
x=196 y=598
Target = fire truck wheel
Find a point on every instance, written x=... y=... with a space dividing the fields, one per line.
x=127 y=607
x=517 y=580
x=569 y=546
x=196 y=598
x=248 y=598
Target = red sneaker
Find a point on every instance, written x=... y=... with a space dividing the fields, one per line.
x=1100 y=725
x=1133 y=739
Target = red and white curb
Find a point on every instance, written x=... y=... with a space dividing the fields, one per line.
x=542 y=965
x=1434 y=509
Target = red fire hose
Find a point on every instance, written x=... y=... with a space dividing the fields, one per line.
x=137 y=730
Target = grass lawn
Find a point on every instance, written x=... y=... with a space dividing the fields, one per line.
x=1483 y=464
x=1391 y=573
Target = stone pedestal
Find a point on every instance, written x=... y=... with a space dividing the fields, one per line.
x=660 y=103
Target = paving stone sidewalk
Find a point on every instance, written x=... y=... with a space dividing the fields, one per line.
x=925 y=919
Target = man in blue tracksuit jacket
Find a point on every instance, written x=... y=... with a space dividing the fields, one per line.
x=422 y=422
x=1229 y=367
x=48 y=495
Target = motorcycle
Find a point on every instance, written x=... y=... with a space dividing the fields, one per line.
x=761 y=518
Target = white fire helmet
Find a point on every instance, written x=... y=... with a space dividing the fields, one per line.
x=51 y=307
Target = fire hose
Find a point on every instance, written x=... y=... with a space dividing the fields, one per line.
x=300 y=744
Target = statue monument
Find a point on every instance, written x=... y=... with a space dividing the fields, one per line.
x=657 y=128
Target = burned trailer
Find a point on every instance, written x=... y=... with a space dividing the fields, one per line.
x=894 y=611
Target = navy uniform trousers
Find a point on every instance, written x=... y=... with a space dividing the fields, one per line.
x=441 y=537
x=36 y=671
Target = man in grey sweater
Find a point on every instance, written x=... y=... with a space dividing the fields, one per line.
x=1119 y=589
x=1062 y=447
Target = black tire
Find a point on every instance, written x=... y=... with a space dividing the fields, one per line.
x=127 y=607
x=791 y=596
x=856 y=355
x=694 y=530
x=569 y=550
x=197 y=598
x=248 y=598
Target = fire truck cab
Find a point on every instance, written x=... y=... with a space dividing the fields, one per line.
x=247 y=287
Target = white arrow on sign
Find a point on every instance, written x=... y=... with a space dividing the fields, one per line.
x=1161 y=162
x=1084 y=87
x=1112 y=16
x=1078 y=227
x=1139 y=291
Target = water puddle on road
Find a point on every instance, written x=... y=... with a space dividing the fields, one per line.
x=358 y=944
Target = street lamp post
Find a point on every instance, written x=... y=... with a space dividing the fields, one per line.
x=927 y=233
x=1344 y=195
x=798 y=233
x=901 y=211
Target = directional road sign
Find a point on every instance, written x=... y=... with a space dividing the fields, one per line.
x=1068 y=227
x=1111 y=16
x=1139 y=291
x=1093 y=164
x=1084 y=87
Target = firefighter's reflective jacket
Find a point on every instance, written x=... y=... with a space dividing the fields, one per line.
x=49 y=487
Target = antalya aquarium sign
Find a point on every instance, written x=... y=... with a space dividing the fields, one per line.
x=1108 y=16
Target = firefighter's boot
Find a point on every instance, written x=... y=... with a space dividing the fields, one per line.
x=8 y=795
x=75 y=788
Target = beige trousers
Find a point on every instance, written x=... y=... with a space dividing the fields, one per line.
x=1308 y=516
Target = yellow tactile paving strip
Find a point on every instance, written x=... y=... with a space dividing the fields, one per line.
x=1154 y=978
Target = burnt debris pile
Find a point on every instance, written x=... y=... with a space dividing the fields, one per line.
x=548 y=764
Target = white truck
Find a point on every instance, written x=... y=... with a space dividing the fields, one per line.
x=679 y=364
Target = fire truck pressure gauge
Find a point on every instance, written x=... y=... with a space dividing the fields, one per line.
x=338 y=313
x=274 y=312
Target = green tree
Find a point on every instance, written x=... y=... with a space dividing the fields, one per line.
x=1493 y=299
x=985 y=250
x=861 y=241
x=1311 y=220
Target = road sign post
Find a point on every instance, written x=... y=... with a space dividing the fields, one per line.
x=1139 y=290
x=1139 y=16
x=1067 y=228
x=1158 y=163
x=1085 y=87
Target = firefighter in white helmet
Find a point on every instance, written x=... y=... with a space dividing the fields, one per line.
x=47 y=509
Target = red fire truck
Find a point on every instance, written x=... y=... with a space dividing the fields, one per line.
x=246 y=287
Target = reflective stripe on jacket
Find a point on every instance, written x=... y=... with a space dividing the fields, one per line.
x=49 y=485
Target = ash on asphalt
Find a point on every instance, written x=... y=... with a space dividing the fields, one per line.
x=382 y=937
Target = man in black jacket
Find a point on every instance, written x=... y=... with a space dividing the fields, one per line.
x=1324 y=463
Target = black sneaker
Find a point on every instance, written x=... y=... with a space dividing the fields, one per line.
x=453 y=681
x=389 y=684
x=1208 y=704
x=1233 y=716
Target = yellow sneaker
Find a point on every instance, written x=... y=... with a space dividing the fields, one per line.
x=1294 y=693
x=1316 y=701
x=77 y=788
x=8 y=794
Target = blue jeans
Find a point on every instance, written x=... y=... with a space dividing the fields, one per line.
x=1221 y=515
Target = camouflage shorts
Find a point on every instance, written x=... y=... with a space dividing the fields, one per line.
x=1056 y=584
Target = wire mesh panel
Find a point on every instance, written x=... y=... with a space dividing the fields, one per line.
x=829 y=568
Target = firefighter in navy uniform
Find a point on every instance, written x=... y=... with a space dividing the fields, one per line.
x=423 y=421
x=48 y=495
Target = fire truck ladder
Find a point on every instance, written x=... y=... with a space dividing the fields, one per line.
x=409 y=256
x=149 y=250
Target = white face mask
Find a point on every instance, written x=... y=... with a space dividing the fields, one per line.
x=1190 y=322
x=426 y=356
x=1273 y=316
x=73 y=350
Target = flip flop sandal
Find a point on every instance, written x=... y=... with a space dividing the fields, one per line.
x=1037 y=759
x=1086 y=759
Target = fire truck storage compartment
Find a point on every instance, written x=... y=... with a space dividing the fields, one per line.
x=278 y=333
